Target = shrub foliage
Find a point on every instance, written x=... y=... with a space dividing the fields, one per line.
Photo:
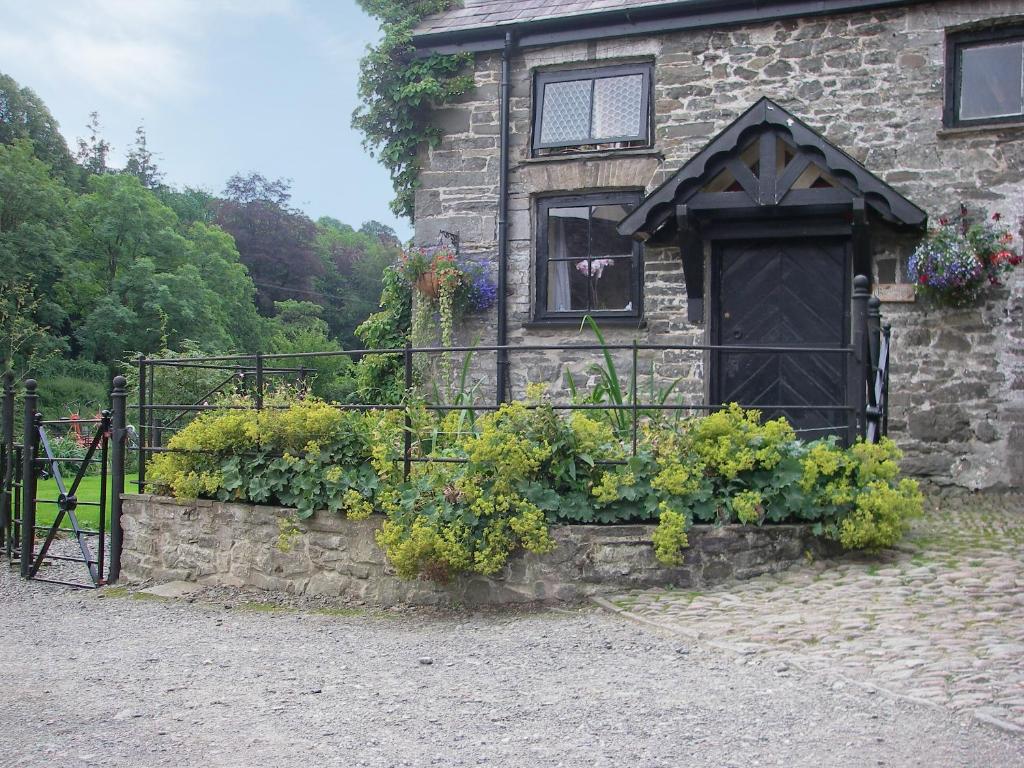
x=525 y=467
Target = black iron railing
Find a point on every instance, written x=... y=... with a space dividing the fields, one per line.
x=862 y=412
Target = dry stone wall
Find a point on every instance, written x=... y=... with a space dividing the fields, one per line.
x=242 y=545
x=872 y=84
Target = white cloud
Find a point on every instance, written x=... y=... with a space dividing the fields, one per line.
x=134 y=51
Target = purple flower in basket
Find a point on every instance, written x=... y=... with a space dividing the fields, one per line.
x=481 y=291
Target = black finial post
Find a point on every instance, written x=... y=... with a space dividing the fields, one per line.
x=874 y=329
x=143 y=416
x=30 y=443
x=119 y=436
x=6 y=457
x=857 y=371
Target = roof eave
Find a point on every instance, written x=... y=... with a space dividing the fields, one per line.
x=691 y=14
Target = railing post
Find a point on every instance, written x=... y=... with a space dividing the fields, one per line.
x=259 y=381
x=857 y=371
x=154 y=432
x=407 y=444
x=142 y=424
x=118 y=438
x=636 y=413
x=30 y=442
x=872 y=419
x=874 y=329
x=887 y=334
x=6 y=456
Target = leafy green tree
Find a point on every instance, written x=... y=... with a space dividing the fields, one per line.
x=33 y=221
x=276 y=242
x=299 y=327
x=385 y=234
x=190 y=204
x=141 y=163
x=399 y=90
x=24 y=342
x=354 y=262
x=119 y=221
x=93 y=151
x=160 y=286
x=33 y=244
x=212 y=251
x=23 y=115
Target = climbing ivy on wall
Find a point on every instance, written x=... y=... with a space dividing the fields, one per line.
x=398 y=91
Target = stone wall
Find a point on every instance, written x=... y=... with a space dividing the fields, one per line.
x=242 y=545
x=871 y=83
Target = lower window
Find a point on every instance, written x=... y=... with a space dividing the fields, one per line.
x=585 y=267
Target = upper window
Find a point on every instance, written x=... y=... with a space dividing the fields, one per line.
x=985 y=76
x=592 y=108
x=585 y=267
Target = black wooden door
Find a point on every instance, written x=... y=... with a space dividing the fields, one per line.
x=792 y=292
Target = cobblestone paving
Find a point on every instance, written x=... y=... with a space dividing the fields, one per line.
x=940 y=620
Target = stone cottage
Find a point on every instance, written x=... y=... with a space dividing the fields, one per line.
x=708 y=172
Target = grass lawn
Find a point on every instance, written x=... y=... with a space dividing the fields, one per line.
x=89 y=490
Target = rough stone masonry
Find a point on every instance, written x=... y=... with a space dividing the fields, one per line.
x=869 y=82
x=246 y=545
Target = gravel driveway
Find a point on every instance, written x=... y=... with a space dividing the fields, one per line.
x=106 y=678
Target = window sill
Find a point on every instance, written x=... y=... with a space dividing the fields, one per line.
x=576 y=322
x=968 y=130
x=608 y=154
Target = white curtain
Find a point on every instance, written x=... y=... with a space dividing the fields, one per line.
x=559 y=295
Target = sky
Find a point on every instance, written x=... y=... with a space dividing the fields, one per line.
x=221 y=87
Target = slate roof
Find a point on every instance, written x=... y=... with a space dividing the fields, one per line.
x=477 y=14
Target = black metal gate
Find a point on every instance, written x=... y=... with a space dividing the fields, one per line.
x=30 y=545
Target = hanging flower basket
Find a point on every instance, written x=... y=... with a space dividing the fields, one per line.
x=429 y=271
x=429 y=285
x=953 y=266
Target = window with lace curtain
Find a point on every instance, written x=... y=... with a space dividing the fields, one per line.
x=604 y=108
x=585 y=267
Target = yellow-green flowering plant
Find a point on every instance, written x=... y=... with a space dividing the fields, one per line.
x=504 y=478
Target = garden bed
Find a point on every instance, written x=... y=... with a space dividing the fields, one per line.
x=264 y=547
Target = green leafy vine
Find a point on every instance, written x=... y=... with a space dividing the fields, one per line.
x=399 y=89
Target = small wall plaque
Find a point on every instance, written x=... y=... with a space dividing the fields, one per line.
x=895 y=292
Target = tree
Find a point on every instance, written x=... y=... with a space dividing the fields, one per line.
x=351 y=279
x=213 y=252
x=33 y=221
x=23 y=115
x=399 y=90
x=33 y=246
x=190 y=204
x=298 y=327
x=141 y=164
x=385 y=234
x=119 y=221
x=276 y=242
x=24 y=343
x=92 y=152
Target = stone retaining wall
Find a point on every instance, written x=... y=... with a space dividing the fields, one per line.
x=242 y=545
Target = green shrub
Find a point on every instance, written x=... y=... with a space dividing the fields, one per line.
x=526 y=467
